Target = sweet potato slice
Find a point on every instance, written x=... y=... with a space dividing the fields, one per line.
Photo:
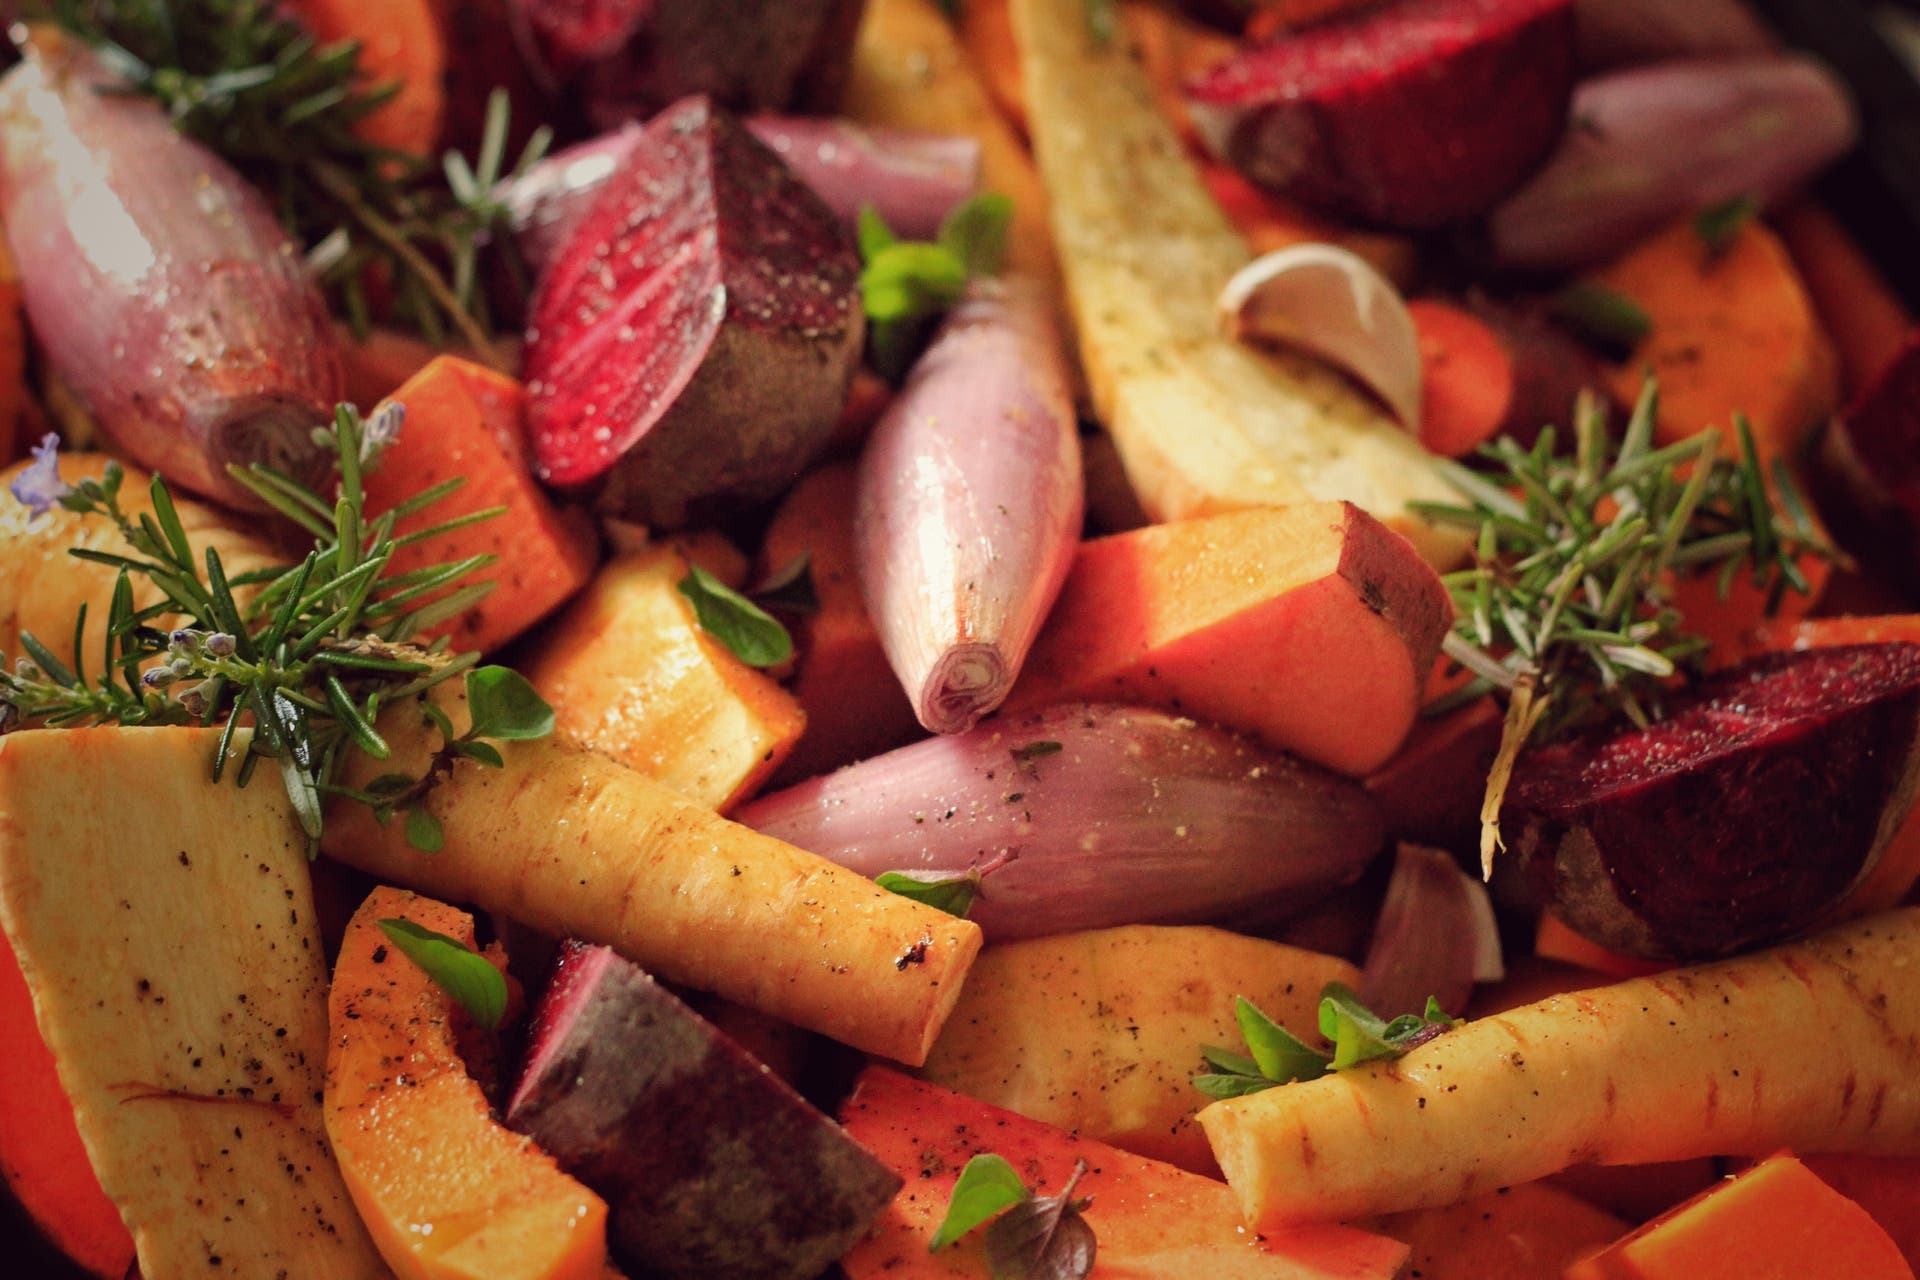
x=1312 y=627
x=631 y=674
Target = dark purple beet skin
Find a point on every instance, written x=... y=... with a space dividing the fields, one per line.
x=693 y=338
x=1869 y=468
x=624 y=59
x=1739 y=819
x=711 y=1165
x=1414 y=114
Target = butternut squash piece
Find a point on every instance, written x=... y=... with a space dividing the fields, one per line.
x=1312 y=627
x=1152 y=1221
x=1100 y=1032
x=446 y=1192
x=166 y=930
x=1731 y=333
x=631 y=674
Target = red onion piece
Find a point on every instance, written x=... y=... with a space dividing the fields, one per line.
x=969 y=505
x=1082 y=817
x=1435 y=937
x=1653 y=144
x=912 y=180
x=1617 y=33
x=160 y=286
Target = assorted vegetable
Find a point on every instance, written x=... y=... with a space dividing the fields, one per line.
x=1205 y=786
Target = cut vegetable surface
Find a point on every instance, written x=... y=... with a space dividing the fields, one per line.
x=1328 y=114
x=578 y=845
x=1739 y=819
x=446 y=1191
x=1311 y=626
x=1683 y=1064
x=1083 y=816
x=1203 y=424
x=695 y=337
x=167 y=934
x=713 y=1165
x=970 y=504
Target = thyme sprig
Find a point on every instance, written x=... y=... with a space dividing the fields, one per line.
x=1568 y=607
x=307 y=654
x=282 y=108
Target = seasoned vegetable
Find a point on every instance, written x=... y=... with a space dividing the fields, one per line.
x=400 y=45
x=445 y=1190
x=1529 y=1230
x=1683 y=1064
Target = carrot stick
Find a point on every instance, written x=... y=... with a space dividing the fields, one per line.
x=1866 y=319
x=986 y=30
x=581 y=846
x=1693 y=1062
x=400 y=43
x=1467 y=379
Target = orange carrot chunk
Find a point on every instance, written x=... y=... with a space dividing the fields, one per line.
x=986 y=31
x=1776 y=1221
x=1866 y=318
x=1312 y=627
x=1467 y=379
x=1555 y=941
x=1888 y=1187
x=400 y=43
x=466 y=420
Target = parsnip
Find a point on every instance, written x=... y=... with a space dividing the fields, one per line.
x=167 y=932
x=1812 y=1046
x=579 y=845
x=1203 y=424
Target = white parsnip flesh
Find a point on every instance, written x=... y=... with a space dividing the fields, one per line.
x=1813 y=1046
x=1202 y=423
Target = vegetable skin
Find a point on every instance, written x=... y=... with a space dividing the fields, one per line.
x=1686 y=1063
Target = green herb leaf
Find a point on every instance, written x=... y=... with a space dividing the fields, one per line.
x=911 y=279
x=1605 y=318
x=1043 y=1238
x=1037 y=750
x=789 y=589
x=953 y=895
x=505 y=707
x=462 y=973
x=1718 y=226
x=424 y=831
x=1281 y=1056
x=977 y=233
x=752 y=634
x=988 y=1185
x=873 y=233
x=907 y=285
x=1359 y=1035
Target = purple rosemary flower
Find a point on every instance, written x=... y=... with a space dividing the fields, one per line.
x=39 y=488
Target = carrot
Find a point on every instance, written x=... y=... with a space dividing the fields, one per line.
x=1730 y=333
x=13 y=359
x=445 y=1190
x=42 y=587
x=1867 y=320
x=1528 y=1230
x=1150 y=1219
x=467 y=421
x=1467 y=379
x=909 y=72
x=1887 y=1187
x=1776 y=1221
x=1430 y=790
x=166 y=931
x=986 y=32
x=378 y=363
x=631 y=674
x=1096 y=1031
x=1553 y=940
x=578 y=845
x=42 y=1156
x=1270 y=223
x=854 y=706
x=1311 y=626
x=400 y=44
x=1687 y=1063
x=867 y=398
x=1724 y=624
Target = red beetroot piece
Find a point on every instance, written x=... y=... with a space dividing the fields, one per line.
x=1869 y=472
x=1737 y=820
x=711 y=1165
x=1415 y=114
x=623 y=59
x=694 y=337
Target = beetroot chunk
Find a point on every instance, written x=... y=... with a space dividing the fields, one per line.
x=710 y=1164
x=1416 y=114
x=1766 y=795
x=695 y=335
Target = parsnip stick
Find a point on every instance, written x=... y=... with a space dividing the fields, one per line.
x=582 y=846
x=1813 y=1046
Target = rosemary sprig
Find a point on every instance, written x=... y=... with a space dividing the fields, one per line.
x=282 y=108
x=309 y=659
x=1568 y=606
